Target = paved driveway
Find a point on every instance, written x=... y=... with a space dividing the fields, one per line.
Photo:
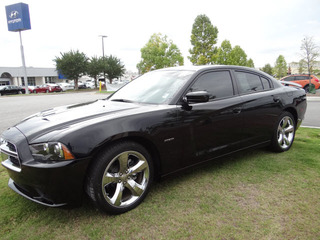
x=15 y=108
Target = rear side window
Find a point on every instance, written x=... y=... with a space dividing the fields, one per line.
x=248 y=83
x=217 y=84
x=301 y=77
x=265 y=83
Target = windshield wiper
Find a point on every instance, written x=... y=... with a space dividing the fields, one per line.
x=122 y=100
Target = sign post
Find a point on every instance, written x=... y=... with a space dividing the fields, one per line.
x=18 y=20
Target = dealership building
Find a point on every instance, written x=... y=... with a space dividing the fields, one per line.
x=36 y=76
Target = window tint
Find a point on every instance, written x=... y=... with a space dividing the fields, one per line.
x=301 y=77
x=289 y=79
x=248 y=82
x=265 y=83
x=217 y=84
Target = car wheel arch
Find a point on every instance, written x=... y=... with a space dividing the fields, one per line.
x=148 y=144
x=293 y=112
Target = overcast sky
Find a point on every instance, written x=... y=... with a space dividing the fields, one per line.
x=263 y=29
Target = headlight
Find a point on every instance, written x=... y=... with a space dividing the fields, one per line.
x=53 y=151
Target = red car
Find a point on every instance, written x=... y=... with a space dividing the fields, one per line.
x=303 y=80
x=46 y=88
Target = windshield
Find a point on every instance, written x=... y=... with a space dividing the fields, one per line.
x=156 y=87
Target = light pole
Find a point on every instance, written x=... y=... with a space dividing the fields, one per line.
x=102 y=37
x=24 y=65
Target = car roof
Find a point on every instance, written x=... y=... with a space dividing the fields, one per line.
x=212 y=67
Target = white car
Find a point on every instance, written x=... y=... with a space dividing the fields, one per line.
x=66 y=86
x=90 y=84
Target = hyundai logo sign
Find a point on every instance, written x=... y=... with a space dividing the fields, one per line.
x=13 y=14
x=18 y=18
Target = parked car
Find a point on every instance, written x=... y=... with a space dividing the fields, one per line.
x=66 y=86
x=303 y=80
x=46 y=88
x=81 y=85
x=162 y=122
x=11 y=89
x=90 y=84
x=31 y=88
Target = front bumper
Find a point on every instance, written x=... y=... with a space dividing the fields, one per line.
x=51 y=184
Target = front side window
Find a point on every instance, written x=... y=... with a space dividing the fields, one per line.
x=248 y=83
x=217 y=84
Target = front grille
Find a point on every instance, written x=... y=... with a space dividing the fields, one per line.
x=9 y=151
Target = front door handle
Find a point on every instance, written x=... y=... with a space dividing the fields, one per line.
x=236 y=110
x=276 y=99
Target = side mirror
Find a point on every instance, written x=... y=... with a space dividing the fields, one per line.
x=197 y=97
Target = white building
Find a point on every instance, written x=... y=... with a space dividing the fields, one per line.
x=295 y=67
x=36 y=76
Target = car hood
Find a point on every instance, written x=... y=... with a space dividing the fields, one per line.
x=62 y=118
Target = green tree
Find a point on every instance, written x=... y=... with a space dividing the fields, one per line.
x=203 y=38
x=267 y=69
x=95 y=68
x=280 y=68
x=72 y=64
x=250 y=63
x=158 y=53
x=224 y=53
x=113 y=67
x=238 y=56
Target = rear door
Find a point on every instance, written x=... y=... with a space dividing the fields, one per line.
x=260 y=109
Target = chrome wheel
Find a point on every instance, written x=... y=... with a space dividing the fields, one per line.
x=285 y=132
x=125 y=179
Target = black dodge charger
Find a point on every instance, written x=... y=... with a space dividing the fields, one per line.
x=162 y=122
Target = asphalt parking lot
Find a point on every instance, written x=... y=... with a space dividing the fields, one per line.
x=15 y=108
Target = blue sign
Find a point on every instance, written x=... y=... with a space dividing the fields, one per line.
x=18 y=18
x=61 y=76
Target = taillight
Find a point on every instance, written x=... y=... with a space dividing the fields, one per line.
x=317 y=80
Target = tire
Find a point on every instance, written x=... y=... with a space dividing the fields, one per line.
x=306 y=88
x=120 y=177
x=284 y=133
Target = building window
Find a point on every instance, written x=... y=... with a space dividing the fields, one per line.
x=49 y=80
x=31 y=81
